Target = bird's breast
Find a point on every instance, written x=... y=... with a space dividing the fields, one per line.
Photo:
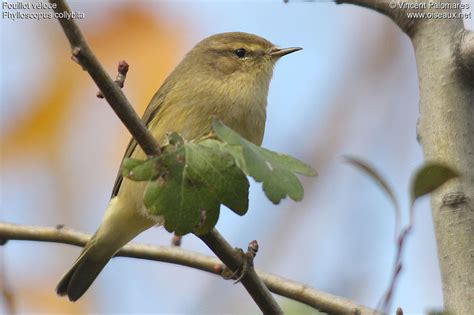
x=189 y=109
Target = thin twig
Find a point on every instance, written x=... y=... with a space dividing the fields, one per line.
x=386 y=301
x=176 y=240
x=83 y=55
x=117 y=100
x=122 y=70
x=170 y=254
x=387 y=298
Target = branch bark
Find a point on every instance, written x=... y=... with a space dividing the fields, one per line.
x=83 y=55
x=170 y=254
x=465 y=53
x=397 y=13
x=250 y=280
x=444 y=53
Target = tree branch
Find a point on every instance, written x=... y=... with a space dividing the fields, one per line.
x=83 y=55
x=171 y=254
x=465 y=53
x=397 y=13
x=233 y=261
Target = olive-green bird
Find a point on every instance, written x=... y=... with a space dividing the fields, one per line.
x=224 y=76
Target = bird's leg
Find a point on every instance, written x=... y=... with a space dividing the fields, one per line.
x=247 y=261
x=228 y=274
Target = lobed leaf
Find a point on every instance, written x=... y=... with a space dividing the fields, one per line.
x=189 y=181
x=274 y=170
x=196 y=179
x=140 y=170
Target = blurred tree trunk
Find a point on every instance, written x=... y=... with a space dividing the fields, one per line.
x=446 y=133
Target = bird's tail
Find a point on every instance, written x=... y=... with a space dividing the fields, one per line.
x=119 y=226
x=84 y=271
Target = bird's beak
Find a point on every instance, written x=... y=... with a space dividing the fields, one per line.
x=280 y=52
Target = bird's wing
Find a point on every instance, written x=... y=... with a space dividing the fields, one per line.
x=150 y=113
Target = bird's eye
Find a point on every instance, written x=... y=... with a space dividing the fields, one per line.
x=241 y=52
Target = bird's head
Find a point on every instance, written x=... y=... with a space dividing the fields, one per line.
x=237 y=53
x=236 y=67
x=236 y=58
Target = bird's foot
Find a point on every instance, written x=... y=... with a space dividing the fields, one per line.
x=247 y=262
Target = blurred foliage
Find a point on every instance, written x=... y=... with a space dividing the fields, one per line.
x=430 y=177
x=426 y=179
x=380 y=181
x=139 y=38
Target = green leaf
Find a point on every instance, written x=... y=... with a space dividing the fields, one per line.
x=378 y=179
x=381 y=182
x=275 y=170
x=175 y=138
x=195 y=178
x=228 y=182
x=189 y=181
x=430 y=177
x=140 y=170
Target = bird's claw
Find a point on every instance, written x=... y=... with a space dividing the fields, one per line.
x=247 y=262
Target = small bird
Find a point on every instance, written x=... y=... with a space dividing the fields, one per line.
x=225 y=76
